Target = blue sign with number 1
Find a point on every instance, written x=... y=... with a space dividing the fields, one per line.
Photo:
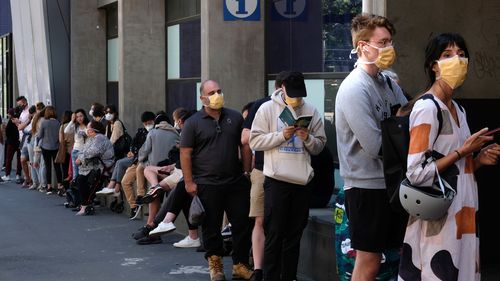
x=247 y=10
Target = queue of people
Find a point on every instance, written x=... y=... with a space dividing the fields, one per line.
x=254 y=171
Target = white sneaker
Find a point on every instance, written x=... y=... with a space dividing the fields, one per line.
x=188 y=243
x=6 y=178
x=162 y=228
x=105 y=191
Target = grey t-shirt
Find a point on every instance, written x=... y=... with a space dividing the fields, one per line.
x=215 y=146
x=362 y=102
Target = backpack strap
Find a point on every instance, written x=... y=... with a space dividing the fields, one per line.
x=439 y=113
x=389 y=83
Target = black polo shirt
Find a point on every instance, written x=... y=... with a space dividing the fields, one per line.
x=215 y=158
x=259 y=155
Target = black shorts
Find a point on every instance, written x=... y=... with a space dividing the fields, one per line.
x=373 y=225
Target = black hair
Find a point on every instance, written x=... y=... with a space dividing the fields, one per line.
x=113 y=110
x=97 y=126
x=66 y=117
x=85 y=118
x=147 y=116
x=162 y=117
x=21 y=98
x=98 y=110
x=279 y=79
x=32 y=109
x=187 y=115
x=435 y=47
x=247 y=107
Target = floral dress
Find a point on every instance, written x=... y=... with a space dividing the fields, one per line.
x=447 y=248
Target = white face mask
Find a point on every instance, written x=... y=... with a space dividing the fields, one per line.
x=176 y=126
x=91 y=113
x=149 y=127
x=109 y=116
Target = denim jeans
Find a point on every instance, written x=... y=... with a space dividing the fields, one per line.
x=74 y=156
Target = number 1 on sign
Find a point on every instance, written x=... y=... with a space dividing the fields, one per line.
x=289 y=7
x=241 y=8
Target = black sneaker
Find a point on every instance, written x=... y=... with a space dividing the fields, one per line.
x=134 y=212
x=143 y=232
x=153 y=193
x=149 y=240
x=257 y=275
x=226 y=231
x=138 y=200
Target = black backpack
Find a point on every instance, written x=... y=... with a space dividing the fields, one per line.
x=395 y=146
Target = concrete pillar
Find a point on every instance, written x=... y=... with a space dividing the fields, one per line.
x=232 y=52
x=142 y=61
x=88 y=54
x=377 y=7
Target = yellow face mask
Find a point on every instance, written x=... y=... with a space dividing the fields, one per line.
x=216 y=101
x=385 y=59
x=453 y=71
x=293 y=102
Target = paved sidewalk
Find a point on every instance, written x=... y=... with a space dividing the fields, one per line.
x=42 y=240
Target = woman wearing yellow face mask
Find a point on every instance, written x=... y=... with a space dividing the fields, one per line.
x=431 y=246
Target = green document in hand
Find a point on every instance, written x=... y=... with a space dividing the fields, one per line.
x=289 y=117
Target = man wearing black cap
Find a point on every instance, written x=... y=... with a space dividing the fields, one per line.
x=288 y=171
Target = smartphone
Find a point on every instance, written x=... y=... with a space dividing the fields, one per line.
x=492 y=132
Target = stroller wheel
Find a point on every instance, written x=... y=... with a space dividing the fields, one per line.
x=112 y=206
x=119 y=208
x=89 y=210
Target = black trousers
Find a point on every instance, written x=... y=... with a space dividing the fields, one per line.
x=178 y=200
x=234 y=199
x=286 y=211
x=49 y=156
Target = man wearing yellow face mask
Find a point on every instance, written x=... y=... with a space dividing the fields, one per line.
x=364 y=99
x=288 y=172
x=209 y=154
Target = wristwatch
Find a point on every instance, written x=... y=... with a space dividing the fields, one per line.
x=247 y=174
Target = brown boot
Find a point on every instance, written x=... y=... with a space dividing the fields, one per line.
x=241 y=271
x=216 y=268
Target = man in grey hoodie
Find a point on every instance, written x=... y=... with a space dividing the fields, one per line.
x=364 y=99
x=288 y=171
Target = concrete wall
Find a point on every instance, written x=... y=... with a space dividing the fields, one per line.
x=232 y=53
x=142 y=66
x=88 y=54
x=476 y=21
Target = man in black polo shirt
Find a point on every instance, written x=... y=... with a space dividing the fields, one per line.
x=209 y=150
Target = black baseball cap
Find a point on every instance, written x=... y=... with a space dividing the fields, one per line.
x=294 y=84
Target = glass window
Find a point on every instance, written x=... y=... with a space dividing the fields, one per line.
x=173 y=52
x=113 y=56
x=310 y=36
x=112 y=20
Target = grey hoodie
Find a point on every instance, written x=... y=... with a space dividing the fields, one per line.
x=158 y=144
x=288 y=161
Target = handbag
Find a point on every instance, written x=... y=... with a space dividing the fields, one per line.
x=61 y=152
x=122 y=144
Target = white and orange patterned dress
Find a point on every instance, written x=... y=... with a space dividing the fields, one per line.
x=448 y=248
